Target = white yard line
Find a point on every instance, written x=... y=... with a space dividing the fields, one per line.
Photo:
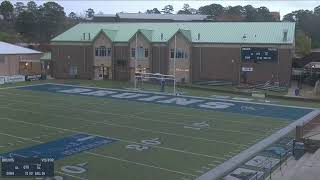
x=141 y=164
x=158 y=110
x=108 y=157
x=77 y=177
x=123 y=126
x=18 y=137
x=122 y=140
x=136 y=115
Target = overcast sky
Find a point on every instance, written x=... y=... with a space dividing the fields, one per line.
x=111 y=7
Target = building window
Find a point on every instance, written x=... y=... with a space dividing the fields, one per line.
x=103 y=51
x=140 y=52
x=108 y=51
x=146 y=52
x=171 y=53
x=179 y=53
x=2 y=60
x=133 y=52
x=97 y=52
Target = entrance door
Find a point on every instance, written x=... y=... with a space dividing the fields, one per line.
x=244 y=77
x=121 y=70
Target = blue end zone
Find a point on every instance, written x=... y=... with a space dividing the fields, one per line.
x=248 y=108
x=61 y=148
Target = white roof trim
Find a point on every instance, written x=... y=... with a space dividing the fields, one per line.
x=6 y=48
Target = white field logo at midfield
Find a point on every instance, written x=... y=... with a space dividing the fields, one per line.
x=162 y=99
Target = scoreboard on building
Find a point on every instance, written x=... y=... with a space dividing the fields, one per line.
x=259 y=54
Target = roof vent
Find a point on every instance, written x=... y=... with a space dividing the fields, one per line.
x=89 y=37
x=198 y=36
x=84 y=36
x=244 y=37
x=285 y=35
x=161 y=36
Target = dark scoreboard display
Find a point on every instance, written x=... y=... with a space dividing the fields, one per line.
x=27 y=167
x=259 y=54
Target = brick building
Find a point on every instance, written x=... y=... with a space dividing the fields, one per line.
x=236 y=52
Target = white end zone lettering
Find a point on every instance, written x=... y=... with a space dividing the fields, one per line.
x=198 y=126
x=216 y=105
x=75 y=90
x=128 y=95
x=180 y=101
x=152 y=98
x=99 y=93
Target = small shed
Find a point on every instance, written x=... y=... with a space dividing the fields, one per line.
x=16 y=60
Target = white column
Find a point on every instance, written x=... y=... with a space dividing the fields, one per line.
x=174 y=64
x=135 y=62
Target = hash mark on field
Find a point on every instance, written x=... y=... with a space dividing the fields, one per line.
x=206 y=168
x=228 y=156
x=199 y=171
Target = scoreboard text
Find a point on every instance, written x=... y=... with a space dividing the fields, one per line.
x=27 y=167
x=259 y=54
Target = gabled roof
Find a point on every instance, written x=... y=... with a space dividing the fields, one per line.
x=110 y=33
x=147 y=33
x=186 y=33
x=6 y=48
x=215 y=32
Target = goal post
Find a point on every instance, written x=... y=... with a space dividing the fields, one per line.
x=140 y=79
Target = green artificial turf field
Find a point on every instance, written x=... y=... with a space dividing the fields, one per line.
x=153 y=141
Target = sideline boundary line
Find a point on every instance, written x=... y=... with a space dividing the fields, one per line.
x=235 y=161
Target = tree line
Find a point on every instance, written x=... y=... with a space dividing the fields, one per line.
x=40 y=23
